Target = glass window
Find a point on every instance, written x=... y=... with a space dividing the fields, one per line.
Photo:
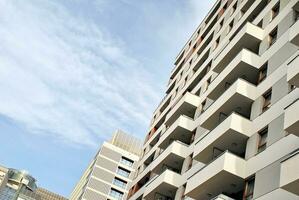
x=263 y=139
x=203 y=106
x=263 y=73
x=275 y=10
x=267 y=100
x=249 y=187
x=273 y=37
x=126 y=161
x=120 y=183
x=217 y=43
x=123 y=172
x=116 y=194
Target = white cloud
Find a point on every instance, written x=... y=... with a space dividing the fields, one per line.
x=64 y=75
x=61 y=75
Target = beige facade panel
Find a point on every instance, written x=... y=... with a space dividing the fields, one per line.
x=294 y=35
x=291 y=118
x=89 y=194
x=293 y=71
x=289 y=174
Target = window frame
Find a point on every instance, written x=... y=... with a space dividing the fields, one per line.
x=267 y=100
x=249 y=195
x=263 y=136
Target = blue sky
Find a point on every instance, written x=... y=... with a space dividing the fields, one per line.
x=74 y=71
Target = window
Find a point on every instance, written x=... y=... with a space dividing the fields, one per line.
x=225 y=6
x=263 y=134
x=260 y=24
x=175 y=92
x=198 y=92
x=267 y=100
x=234 y=8
x=203 y=105
x=275 y=10
x=291 y=87
x=116 y=194
x=123 y=172
x=190 y=162
x=296 y=15
x=190 y=63
x=209 y=81
x=189 y=45
x=126 y=161
x=273 y=37
x=185 y=81
x=241 y=14
x=249 y=187
x=217 y=43
x=120 y=183
x=220 y=25
x=230 y=26
x=262 y=73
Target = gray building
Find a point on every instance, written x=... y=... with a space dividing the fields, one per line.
x=19 y=185
x=228 y=125
x=111 y=171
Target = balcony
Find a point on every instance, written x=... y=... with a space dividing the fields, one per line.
x=293 y=71
x=164 y=185
x=244 y=65
x=291 y=118
x=289 y=173
x=231 y=134
x=186 y=106
x=172 y=157
x=237 y=98
x=224 y=175
x=180 y=130
x=294 y=32
x=249 y=38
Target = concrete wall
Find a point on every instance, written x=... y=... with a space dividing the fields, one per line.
x=267 y=179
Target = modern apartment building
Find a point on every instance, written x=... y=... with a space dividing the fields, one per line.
x=228 y=126
x=111 y=171
x=48 y=195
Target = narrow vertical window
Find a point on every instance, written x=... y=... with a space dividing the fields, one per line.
x=263 y=135
x=273 y=37
x=267 y=100
x=275 y=10
x=262 y=73
x=249 y=188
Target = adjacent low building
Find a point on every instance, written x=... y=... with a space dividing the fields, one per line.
x=111 y=171
x=19 y=185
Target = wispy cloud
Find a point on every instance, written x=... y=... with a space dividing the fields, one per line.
x=61 y=75
x=67 y=74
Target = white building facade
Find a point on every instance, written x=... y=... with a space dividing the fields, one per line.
x=228 y=126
